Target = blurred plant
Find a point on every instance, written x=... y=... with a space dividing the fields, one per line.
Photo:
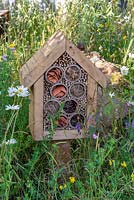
x=28 y=169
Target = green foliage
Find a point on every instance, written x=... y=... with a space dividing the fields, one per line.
x=102 y=167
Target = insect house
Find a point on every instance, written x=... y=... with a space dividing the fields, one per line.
x=64 y=86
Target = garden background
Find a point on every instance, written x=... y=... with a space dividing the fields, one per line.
x=102 y=166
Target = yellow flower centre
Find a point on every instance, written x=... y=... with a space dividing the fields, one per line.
x=20 y=90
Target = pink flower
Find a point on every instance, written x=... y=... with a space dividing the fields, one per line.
x=95 y=136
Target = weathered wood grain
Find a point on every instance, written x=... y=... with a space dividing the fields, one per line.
x=63 y=153
x=91 y=96
x=67 y=134
x=38 y=109
x=42 y=60
x=31 y=111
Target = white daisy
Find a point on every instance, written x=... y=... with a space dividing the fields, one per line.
x=22 y=91
x=131 y=103
x=124 y=70
x=12 y=107
x=12 y=91
x=111 y=94
x=127 y=18
x=11 y=141
x=131 y=55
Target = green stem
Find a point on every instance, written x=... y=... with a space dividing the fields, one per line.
x=128 y=50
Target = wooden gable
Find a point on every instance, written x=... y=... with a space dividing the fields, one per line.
x=36 y=66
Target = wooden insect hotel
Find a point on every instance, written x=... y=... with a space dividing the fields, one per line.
x=64 y=81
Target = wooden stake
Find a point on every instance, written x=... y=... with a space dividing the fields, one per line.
x=63 y=155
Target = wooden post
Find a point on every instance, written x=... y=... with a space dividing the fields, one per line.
x=63 y=154
x=63 y=158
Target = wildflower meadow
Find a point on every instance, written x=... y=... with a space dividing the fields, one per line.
x=101 y=166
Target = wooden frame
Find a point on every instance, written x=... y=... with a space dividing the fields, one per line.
x=32 y=76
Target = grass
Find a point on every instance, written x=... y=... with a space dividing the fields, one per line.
x=103 y=168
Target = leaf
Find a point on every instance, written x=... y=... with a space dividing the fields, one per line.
x=92 y=129
x=108 y=109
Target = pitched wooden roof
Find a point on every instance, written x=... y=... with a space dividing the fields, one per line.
x=34 y=68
